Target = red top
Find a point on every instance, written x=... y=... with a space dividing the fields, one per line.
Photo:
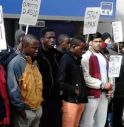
x=4 y=94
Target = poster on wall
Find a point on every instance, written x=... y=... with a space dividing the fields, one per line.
x=2 y=32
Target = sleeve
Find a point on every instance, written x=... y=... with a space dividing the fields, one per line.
x=91 y=82
x=4 y=94
x=119 y=81
x=14 y=72
x=62 y=76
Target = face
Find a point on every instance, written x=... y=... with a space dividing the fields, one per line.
x=32 y=49
x=80 y=49
x=108 y=41
x=49 y=40
x=65 y=44
x=122 y=50
x=96 y=44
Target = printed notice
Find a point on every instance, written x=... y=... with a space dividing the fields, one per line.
x=2 y=32
x=30 y=12
x=114 y=65
x=117 y=31
x=91 y=19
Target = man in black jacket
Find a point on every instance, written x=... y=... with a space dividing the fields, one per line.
x=48 y=66
x=118 y=100
x=71 y=83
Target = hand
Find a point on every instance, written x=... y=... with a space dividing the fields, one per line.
x=108 y=86
x=109 y=94
x=23 y=114
x=77 y=92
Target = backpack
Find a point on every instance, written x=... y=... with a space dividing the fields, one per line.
x=6 y=56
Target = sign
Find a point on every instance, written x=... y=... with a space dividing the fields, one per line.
x=91 y=19
x=30 y=12
x=106 y=8
x=117 y=31
x=114 y=65
x=2 y=32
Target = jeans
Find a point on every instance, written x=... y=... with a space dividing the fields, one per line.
x=95 y=112
x=32 y=119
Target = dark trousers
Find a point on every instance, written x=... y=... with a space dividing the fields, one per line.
x=52 y=116
x=109 y=119
x=118 y=105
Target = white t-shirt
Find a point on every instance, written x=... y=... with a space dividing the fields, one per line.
x=103 y=66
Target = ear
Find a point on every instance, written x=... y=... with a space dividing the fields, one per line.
x=73 y=46
x=41 y=40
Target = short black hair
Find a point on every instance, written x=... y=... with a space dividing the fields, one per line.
x=45 y=30
x=27 y=39
x=96 y=35
x=80 y=37
x=77 y=39
x=62 y=37
x=105 y=36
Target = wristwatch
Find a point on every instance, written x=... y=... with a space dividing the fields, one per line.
x=102 y=87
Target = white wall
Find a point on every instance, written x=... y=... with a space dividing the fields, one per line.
x=120 y=12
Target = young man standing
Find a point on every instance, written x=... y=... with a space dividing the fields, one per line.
x=62 y=45
x=71 y=83
x=24 y=83
x=95 y=67
x=48 y=65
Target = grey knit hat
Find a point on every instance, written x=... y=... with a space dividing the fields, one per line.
x=18 y=34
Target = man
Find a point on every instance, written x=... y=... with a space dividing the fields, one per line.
x=118 y=99
x=7 y=55
x=72 y=84
x=48 y=65
x=111 y=46
x=95 y=73
x=25 y=85
x=63 y=42
x=62 y=45
x=18 y=39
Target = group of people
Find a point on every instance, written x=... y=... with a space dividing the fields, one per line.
x=66 y=86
